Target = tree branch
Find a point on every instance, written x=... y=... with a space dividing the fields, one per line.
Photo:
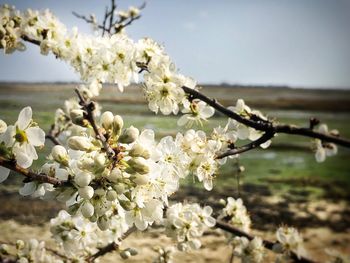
x=89 y=107
x=267 y=244
x=267 y=126
x=43 y=178
x=109 y=247
x=264 y=138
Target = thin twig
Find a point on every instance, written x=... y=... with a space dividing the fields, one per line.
x=267 y=244
x=264 y=138
x=89 y=107
x=109 y=247
x=86 y=19
x=43 y=178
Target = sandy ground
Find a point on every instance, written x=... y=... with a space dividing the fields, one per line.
x=214 y=248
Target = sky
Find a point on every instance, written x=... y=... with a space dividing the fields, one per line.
x=299 y=43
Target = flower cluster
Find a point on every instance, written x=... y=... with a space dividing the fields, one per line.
x=10 y=33
x=164 y=255
x=244 y=132
x=30 y=251
x=324 y=149
x=237 y=214
x=185 y=223
x=80 y=238
x=289 y=240
x=249 y=251
x=18 y=141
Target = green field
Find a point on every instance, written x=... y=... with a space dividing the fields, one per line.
x=287 y=165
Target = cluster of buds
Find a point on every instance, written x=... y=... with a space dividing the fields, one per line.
x=10 y=32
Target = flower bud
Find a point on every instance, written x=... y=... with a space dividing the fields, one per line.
x=86 y=192
x=139 y=151
x=4 y=249
x=111 y=195
x=77 y=117
x=117 y=124
x=127 y=205
x=79 y=143
x=129 y=135
x=87 y=209
x=103 y=223
x=82 y=179
x=132 y=251
x=19 y=244
x=100 y=159
x=125 y=254
x=72 y=210
x=139 y=165
x=141 y=179
x=119 y=188
x=107 y=120
x=114 y=175
x=93 y=218
x=59 y=154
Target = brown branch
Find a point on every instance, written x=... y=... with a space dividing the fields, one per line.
x=52 y=136
x=267 y=244
x=89 y=107
x=267 y=126
x=43 y=178
x=104 y=29
x=112 y=15
x=264 y=138
x=109 y=247
x=28 y=39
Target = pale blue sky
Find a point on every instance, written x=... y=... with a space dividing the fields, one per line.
x=280 y=42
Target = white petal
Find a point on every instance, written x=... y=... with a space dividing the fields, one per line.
x=8 y=136
x=320 y=155
x=27 y=189
x=30 y=151
x=266 y=144
x=24 y=118
x=23 y=160
x=36 y=136
x=4 y=173
x=242 y=132
x=207 y=112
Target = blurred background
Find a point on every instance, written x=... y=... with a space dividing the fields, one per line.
x=289 y=59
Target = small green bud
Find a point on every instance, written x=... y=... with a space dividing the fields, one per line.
x=117 y=124
x=107 y=120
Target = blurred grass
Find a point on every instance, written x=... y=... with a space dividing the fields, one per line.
x=282 y=168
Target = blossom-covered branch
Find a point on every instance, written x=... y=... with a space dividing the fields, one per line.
x=267 y=244
x=264 y=125
x=30 y=175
